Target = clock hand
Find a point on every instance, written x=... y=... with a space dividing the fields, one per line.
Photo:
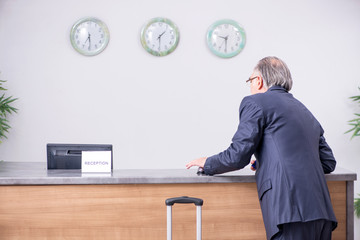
x=89 y=37
x=159 y=38
x=225 y=41
x=226 y=38
x=221 y=44
x=161 y=35
x=86 y=39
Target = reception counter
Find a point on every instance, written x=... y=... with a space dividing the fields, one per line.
x=36 y=203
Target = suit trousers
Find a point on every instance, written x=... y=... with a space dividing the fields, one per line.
x=313 y=230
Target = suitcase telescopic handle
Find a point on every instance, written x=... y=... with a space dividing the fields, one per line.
x=184 y=200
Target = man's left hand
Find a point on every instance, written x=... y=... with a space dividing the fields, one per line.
x=253 y=165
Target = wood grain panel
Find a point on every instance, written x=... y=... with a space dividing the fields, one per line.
x=338 y=199
x=138 y=212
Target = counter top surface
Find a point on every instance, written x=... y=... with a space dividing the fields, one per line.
x=36 y=173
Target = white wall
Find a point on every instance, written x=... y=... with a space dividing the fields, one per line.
x=164 y=112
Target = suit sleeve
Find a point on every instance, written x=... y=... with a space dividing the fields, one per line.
x=244 y=142
x=327 y=159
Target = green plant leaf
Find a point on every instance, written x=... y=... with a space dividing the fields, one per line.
x=357 y=206
x=5 y=106
x=356 y=132
x=355 y=122
x=1 y=88
x=355 y=98
x=5 y=109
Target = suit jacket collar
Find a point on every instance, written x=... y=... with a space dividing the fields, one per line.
x=277 y=88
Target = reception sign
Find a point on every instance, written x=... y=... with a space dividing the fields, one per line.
x=96 y=161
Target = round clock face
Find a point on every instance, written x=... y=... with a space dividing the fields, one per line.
x=89 y=36
x=160 y=36
x=225 y=38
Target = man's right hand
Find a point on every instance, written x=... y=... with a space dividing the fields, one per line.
x=200 y=162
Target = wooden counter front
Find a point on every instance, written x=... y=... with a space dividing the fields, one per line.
x=138 y=211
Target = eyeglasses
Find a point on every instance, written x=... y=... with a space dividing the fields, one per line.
x=250 y=79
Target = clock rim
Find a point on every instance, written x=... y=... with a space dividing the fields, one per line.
x=99 y=22
x=233 y=23
x=143 y=40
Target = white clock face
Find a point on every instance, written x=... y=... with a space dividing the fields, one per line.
x=226 y=38
x=89 y=36
x=160 y=37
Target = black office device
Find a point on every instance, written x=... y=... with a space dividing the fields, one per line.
x=68 y=156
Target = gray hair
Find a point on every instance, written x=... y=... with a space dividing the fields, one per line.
x=274 y=72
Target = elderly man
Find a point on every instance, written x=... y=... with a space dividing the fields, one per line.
x=291 y=157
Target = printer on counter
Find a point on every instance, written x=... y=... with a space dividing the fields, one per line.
x=68 y=156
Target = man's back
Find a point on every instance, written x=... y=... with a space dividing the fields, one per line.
x=291 y=161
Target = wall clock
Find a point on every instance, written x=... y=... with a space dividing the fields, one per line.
x=89 y=36
x=225 y=38
x=160 y=36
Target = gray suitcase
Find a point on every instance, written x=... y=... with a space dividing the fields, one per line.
x=184 y=200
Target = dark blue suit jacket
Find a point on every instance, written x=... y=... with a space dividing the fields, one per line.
x=292 y=157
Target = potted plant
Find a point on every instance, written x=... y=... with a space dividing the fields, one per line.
x=5 y=110
x=355 y=123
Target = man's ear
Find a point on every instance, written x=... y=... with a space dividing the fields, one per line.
x=260 y=83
